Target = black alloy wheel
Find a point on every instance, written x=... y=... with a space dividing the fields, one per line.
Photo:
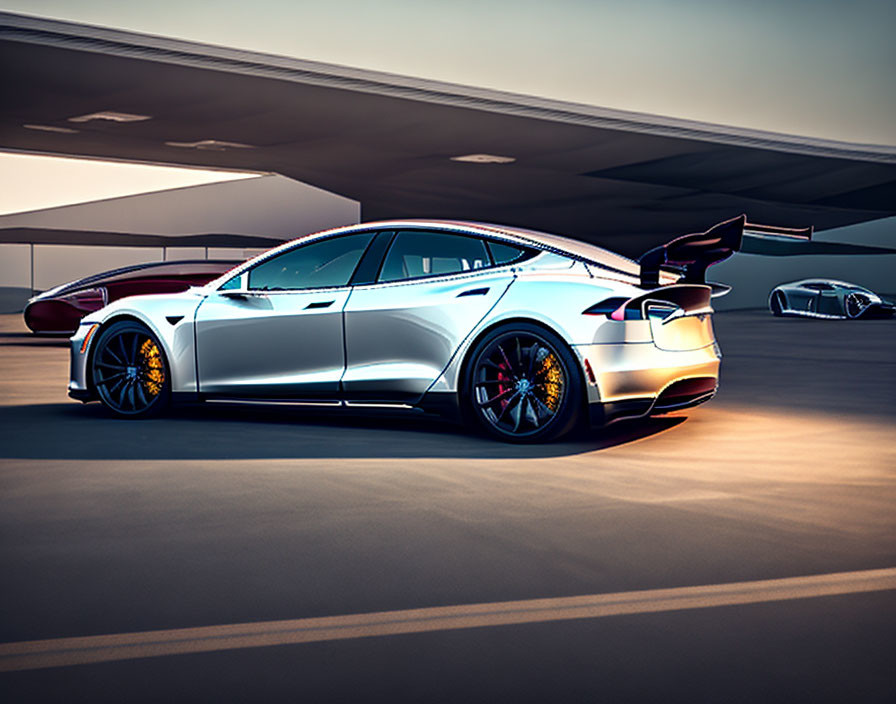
x=129 y=371
x=523 y=385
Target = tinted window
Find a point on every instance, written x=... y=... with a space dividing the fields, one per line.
x=327 y=262
x=820 y=287
x=505 y=253
x=232 y=284
x=417 y=253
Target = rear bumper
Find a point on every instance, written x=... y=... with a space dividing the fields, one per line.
x=638 y=379
x=640 y=370
x=681 y=394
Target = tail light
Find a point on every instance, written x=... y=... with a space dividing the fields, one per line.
x=662 y=304
x=613 y=308
x=662 y=312
x=618 y=308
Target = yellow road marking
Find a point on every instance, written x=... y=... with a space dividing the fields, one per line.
x=61 y=652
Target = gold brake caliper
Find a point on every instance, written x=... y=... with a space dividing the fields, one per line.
x=552 y=374
x=154 y=376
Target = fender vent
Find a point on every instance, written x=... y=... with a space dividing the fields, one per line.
x=174 y=319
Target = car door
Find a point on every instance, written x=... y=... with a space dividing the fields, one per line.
x=402 y=329
x=803 y=297
x=828 y=302
x=275 y=331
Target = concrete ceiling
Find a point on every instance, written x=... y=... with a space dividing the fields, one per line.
x=623 y=180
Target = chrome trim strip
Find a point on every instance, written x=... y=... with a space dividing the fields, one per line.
x=275 y=402
x=812 y=314
x=364 y=404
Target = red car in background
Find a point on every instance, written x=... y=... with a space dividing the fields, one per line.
x=59 y=310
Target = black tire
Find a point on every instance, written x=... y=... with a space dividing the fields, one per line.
x=523 y=384
x=130 y=372
x=777 y=304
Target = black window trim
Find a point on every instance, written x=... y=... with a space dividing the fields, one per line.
x=378 y=248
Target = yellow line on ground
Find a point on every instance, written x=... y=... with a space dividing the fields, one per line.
x=61 y=652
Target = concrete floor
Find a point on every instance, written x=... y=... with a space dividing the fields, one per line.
x=217 y=516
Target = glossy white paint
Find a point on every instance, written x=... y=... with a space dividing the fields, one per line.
x=393 y=342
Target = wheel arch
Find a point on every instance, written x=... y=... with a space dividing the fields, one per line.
x=123 y=317
x=463 y=369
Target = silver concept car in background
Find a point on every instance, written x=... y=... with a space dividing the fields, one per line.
x=521 y=332
x=825 y=298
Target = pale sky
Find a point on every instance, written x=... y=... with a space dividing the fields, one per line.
x=34 y=182
x=818 y=68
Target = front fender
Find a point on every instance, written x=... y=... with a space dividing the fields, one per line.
x=170 y=318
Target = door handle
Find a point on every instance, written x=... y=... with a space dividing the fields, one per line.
x=319 y=304
x=242 y=295
x=473 y=292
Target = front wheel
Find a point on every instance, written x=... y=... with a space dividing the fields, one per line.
x=129 y=371
x=523 y=385
x=855 y=305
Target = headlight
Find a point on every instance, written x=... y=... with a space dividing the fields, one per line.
x=90 y=299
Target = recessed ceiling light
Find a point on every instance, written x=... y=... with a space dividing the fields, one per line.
x=213 y=145
x=110 y=116
x=51 y=128
x=484 y=159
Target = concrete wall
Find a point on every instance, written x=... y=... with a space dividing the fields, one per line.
x=15 y=265
x=56 y=264
x=15 y=276
x=269 y=206
x=753 y=276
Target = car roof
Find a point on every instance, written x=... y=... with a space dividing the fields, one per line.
x=557 y=244
x=830 y=282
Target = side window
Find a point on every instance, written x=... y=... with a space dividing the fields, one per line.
x=231 y=284
x=505 y=253
x=325 y=263
x=416 y=253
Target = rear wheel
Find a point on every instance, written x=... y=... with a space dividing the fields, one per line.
x=523 y=385
x=777 y=304
x=129 y=371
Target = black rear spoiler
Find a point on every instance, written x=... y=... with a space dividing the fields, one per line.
x=691 y=255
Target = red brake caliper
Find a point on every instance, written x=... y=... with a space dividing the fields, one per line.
x=505 y=380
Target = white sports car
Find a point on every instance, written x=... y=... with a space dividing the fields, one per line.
x=521 y=332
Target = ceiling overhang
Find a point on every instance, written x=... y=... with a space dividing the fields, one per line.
x=624 y=180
